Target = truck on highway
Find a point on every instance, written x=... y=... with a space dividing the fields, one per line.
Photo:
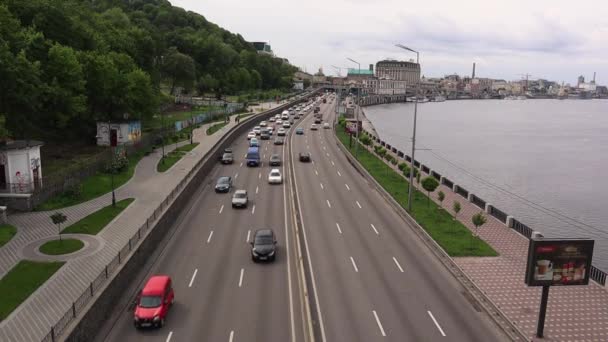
x=253 y=156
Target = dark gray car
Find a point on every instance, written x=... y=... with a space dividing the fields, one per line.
x=263 y=246
x=227 y=158
x=223 y=184
x=275 y=160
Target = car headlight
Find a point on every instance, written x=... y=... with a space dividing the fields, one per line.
x=254 y=252
x=271 y=253
x=156 y=318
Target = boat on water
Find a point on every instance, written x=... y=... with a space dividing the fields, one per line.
x=510 y=97
x=439 y=98
x=522 y=97
x=422 y=99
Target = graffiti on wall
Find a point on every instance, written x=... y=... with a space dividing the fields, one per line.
x=134 y=133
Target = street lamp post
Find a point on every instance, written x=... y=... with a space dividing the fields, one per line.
x=162 y=133
x=111 y=164
x=357 y=111
x=409 y=195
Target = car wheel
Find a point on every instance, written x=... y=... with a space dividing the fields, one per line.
x=273 y=257
x=161 y=323
x=253 y=259
x=137 y=326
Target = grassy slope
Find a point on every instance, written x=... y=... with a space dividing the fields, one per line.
x=96 y=221
x=173 y=157
x=6 y=233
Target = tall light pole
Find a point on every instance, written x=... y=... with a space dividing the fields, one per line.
x=357 y=111
x=111 y=163
x=409 y=195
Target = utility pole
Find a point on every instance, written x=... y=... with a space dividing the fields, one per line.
x=411 y=185
x=111 y=163
x=357 y=111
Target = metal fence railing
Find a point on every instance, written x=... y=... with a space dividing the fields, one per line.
x=436 y=175
x=522 y=229
x=462 y=191
x=498 y=214
x=478 y=201
x=447 y=182
x=425 y=169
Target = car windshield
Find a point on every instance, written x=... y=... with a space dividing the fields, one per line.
x=150 y=301
x=274 y=157
x=227 y=155
x=263 y=240
x=275 y=174
x=223 y=180
x=240 y=195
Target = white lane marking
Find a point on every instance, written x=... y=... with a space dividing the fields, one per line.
x=322 y=186
x=332 y=163
x=397 y=263
x=210 y=235
x=328 y=204
x=338 y=226
x=358 y=204
x=260 y=176
x=245 y=156
x=221 y=208
x=339 y=174
x=231 y=336
x=248 y=235
x=253 y=210
x=193 y=276
x=347 y=187
x=327 y=154
x=375 y=230
x=236 y=176
x=264 y=157
x=436 y=324
x=316 y=173
x=169 y=337
x=241 y=277
x=313 y=161
x=354 y=265
x=241 y=165
x=379 y=324
x=308 y=147
x=323 y=146
x=257 y=189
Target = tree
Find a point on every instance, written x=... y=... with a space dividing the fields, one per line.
x=478 y=220
x=456 y=207
x=429 y=184
x=179 y=69
x=417 y=175
x=440 y=197
x=58 y=218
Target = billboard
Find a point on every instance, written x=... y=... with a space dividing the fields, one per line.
x=560 y=262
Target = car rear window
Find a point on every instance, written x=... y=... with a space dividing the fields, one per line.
x=150 y=301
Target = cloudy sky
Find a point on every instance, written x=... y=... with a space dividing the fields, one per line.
x=551 y=39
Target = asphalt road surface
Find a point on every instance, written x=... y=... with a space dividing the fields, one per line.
x=373 y=280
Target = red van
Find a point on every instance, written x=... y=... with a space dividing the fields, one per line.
x=153 y=302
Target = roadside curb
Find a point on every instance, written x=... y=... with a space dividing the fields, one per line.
x=501 y=320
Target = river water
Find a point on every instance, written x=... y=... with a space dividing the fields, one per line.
x=542 y=161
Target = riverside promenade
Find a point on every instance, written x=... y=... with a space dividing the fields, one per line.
x=574 y=313
x=33 y=319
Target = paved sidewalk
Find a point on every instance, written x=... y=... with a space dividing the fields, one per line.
x=33 y=319
x=575 y=313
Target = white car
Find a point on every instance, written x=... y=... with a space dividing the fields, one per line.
x=285 y=116
x=313 y=127
x=281 y=132
x=271 y=119
x=279 y=122
x=274 y=177
x=250 y=135
x=257 y=130
x=326 y=125
x=270 y=130
x=286 y=124
x=263 y=124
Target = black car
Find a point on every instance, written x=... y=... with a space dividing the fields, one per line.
x=279 y=141
x=223 y=184
x=227 y=158
x=317 y=120
x=305 y=157
x=264 y=245
x=264 y=135
x=275 y=160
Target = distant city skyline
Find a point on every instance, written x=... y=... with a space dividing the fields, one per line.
x=554 y=40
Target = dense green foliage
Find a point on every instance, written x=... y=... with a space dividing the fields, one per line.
x=65 y=64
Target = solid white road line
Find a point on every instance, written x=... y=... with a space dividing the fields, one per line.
x=257 y=189
x=193 y=276
x=322 y=186
x=328 y=204
x=338 y=226
x=316 y=173
x=436 y=324
x=248 y=235
x=210 y=235
x=169 y=337
x=339 y=174
x=241 y=277
x=231 y=336
x=379 y=324
x=397 y=263
x=358 y=204
x=253 y=210
x=354 y=265
x=375 y=230
x=347 y=187
x=221 y=208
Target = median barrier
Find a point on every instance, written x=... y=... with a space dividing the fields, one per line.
x=161 y=224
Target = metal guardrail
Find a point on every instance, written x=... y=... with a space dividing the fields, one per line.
x=498 y=214
x=597 y=275
x=522 y=229
x=436 y=175
x=448 y=182
x=478 y=201
x=462 y=191
x=425 y=169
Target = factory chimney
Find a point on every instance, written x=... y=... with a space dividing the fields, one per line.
x=473 y=76
x=593 y=82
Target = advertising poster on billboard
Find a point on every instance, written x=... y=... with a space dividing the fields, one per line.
x=559 y=262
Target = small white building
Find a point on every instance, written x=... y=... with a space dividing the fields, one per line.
x=119 y=133
x=20 y=167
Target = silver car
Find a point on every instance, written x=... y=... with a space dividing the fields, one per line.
x=240 y=199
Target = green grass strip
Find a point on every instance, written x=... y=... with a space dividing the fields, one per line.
x=94 y=186
x=6 y=233
x=96 y=221
x=21 y=281
x=456 y=239
x=216 y=127
x=173 y=157
x=60 y=247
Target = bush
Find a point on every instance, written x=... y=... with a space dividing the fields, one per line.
x=393 y=160
x=365 y=140
x=402 y=166
x=73 y=191
x=118 y=164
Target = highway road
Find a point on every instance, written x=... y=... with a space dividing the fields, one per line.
x=221 y=294
x=374 y=279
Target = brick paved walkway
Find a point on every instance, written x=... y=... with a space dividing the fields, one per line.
x=33 y=319
x=575 y=313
